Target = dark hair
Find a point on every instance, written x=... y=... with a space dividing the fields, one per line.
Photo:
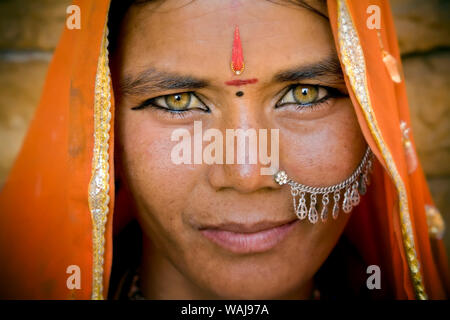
x=117 y=11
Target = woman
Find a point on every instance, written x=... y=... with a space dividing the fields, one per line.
x=209 y=227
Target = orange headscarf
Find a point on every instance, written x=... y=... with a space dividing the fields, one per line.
x=56 y=208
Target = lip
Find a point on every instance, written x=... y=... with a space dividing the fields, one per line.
x=241 y=238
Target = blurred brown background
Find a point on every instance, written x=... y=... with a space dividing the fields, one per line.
x=30 y=29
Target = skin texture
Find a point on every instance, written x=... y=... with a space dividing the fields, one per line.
x=319 y=146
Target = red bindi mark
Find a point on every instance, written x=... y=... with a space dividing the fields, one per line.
x=239 y=82
x=237 y=57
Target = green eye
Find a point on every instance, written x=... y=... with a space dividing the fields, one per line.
x=303 y=95
x=179 y=101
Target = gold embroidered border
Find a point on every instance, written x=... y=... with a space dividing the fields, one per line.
x=99 y=184
x=355 y=68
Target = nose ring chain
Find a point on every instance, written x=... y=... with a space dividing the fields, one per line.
x=354 y=186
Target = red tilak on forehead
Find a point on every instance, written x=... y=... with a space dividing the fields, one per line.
x=237 y=58
x=239 y=82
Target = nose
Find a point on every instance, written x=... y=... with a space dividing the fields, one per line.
x=243 y=178
x=245 y=167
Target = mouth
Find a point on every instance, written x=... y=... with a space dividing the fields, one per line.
x=245 y=238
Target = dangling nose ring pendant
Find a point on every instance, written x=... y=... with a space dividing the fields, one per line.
x=308 y=197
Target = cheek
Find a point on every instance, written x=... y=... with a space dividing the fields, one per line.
x=146 y=162
x=324 y=151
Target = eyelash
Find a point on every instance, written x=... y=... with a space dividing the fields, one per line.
x=181 y=114
x=331 y=93
x=173 y=113
x=314 y=105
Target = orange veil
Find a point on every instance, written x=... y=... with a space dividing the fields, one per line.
x=57 y=206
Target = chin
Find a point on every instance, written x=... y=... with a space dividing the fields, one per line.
x=265 y=282
x=237 y=290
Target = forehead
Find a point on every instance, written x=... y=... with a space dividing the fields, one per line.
x=196 y=36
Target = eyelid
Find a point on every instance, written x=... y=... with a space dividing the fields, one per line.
x=154 y=102
x=329 y=93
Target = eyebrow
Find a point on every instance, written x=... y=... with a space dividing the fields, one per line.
x=152 y=80
x=327 y=69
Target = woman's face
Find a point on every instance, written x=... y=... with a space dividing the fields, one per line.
x=199 y=217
